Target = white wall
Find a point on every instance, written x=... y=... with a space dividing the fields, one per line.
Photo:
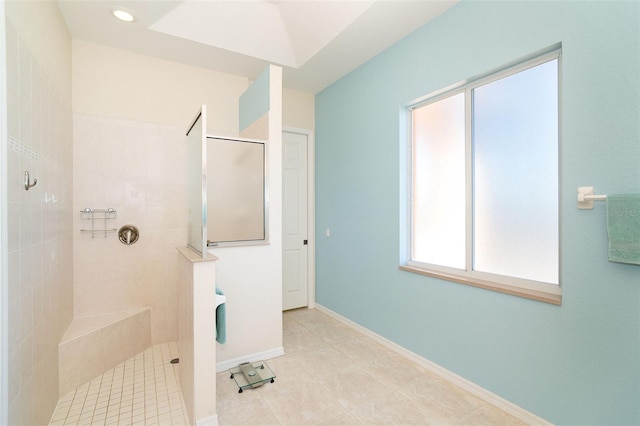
x=115 y=83
x=40 y=249
x=298 y=109
x=139 y=169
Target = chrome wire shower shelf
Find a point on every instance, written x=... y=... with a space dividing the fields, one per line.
x=98 y=217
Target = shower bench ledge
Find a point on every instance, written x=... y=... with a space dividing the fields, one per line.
x=93 y=344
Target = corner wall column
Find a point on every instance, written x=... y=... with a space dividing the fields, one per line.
x=197 y=298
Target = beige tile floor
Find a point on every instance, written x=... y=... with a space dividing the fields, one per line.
x=330 y=375
x=333 y=375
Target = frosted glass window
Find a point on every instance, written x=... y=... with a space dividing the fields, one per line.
x=439 y=183
x=484 y=186
x=515 y=181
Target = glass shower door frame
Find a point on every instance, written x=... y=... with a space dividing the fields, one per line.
x=197 y=182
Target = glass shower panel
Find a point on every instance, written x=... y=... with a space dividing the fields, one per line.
x=236 y=191
x=515 y=190
x=197 y=183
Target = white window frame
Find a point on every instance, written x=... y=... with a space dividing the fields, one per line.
x=545 y=292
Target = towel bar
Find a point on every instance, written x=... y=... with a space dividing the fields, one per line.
x=586 y=197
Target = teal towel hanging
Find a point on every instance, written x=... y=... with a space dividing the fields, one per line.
x=221 y=320
x=623 y=228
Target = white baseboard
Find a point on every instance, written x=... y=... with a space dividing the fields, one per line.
x=258 y=356
x=493 y=399
x=208 y=421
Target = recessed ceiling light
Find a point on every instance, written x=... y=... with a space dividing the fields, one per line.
x=123 y=15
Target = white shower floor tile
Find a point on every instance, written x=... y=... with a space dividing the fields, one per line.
x=141 y=391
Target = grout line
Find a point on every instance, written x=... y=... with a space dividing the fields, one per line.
x=143 y=391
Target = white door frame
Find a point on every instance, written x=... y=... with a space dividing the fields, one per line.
x=311 y=212
x=4 y=245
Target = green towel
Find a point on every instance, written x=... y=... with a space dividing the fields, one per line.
x=221 y=327
x=623 y=227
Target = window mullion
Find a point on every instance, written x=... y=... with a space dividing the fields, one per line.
x=468 y=113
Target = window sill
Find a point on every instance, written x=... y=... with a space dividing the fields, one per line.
x=553 y=296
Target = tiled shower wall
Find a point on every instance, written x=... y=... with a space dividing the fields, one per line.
x=40 y=242
x=138 y=169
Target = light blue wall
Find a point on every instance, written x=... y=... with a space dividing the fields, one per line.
x=578 y=363
x=254 y=102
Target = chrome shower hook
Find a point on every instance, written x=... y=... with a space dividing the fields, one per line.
x=27 y=181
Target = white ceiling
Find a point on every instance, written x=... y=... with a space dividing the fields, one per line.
x=315 y=41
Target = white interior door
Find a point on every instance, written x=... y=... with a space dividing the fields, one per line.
x=295 y=238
